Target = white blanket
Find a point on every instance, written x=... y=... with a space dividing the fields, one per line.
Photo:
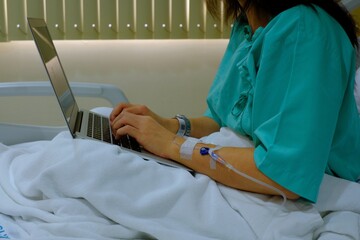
x=82 y=189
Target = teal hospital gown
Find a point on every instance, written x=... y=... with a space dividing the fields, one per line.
x=289 y=88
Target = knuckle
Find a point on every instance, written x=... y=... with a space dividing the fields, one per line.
x=147 y=119
x=143 y=108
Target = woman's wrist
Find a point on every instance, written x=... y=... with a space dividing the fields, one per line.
x=174 y=147
x=171 y=124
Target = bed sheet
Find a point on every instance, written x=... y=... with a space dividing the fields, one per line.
x=83 y=189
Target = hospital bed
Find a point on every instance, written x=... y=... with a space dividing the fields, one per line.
x=55 y=187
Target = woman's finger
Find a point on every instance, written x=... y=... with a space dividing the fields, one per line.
x=118 y=109
x=124 y=119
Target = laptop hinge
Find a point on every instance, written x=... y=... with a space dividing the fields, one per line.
x=78 y=122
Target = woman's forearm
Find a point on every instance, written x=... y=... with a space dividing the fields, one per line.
x=240 y=158
x=203 y=126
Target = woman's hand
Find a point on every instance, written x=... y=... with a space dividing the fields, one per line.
x=149 y=129
x=170 y=124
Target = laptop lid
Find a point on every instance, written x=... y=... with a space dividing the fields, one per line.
x=55 y=71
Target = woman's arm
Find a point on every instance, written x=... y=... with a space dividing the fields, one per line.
x=200 y=127
x=158 y=139
x=241 y=159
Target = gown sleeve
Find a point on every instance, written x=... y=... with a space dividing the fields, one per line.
x=300 y=85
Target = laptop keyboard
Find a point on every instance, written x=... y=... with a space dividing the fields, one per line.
x=99 y=128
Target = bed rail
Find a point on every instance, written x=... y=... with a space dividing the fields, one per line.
x=106 y=91
x=19 y=133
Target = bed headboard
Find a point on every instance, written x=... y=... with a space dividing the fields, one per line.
x=181 y=72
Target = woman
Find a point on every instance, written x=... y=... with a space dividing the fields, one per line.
x=286 y=82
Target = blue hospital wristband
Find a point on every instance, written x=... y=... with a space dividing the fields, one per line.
x=184 y=125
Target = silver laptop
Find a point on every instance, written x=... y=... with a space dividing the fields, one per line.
x=81 y=123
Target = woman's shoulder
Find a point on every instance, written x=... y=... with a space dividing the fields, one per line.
x=307 y=23
x=302 y=13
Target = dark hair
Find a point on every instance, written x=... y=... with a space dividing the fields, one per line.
x=234 y=10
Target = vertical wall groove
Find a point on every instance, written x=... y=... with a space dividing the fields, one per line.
x=134 y=5
x=81 y=24
x=4 y=21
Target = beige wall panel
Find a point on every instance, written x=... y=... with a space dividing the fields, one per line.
x=55 y=18
x=179 y=19
x=91 y=19
x=73 y=19
x=170 y=76
x=162 y=19
x=126 y=19
x=108 y=19
x=144 y=19
x=197 y=21
x=16 y=12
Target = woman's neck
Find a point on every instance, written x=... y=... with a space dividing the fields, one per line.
x=256 y=18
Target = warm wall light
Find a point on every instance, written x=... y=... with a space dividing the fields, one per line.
x=79 y=18
x=113 y=19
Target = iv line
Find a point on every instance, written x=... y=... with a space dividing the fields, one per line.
x=217 y=158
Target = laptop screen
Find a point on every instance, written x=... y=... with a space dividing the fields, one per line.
x=54 y=69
